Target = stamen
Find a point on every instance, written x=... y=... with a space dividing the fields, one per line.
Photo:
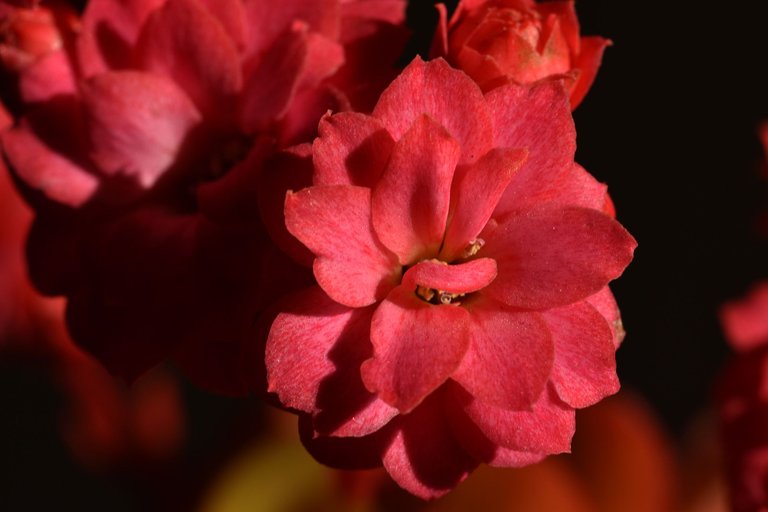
x=474 y=247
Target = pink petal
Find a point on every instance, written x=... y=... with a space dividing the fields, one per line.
x=462 y=278
x=447 y=95
x=350 y=453
x=553 y=256
x=568 y=21
x=57 y=176
x=334 y=223
x=48 y=77
x=268 y=89
x=537 y=118
x=109 y=33
x=547 y=428
x=587 y=62
x=265 y=20
x=314 y=351
x=231 y=15
x=202 y=58
x=604 y=302
x=440 y=39
x=423 y=457
x=510 y=355
x=584 y=371
x=472 y=439
x=389 y=11
x=351 y=149
x=416 y=347
x=410 y=204
x=138 y=123
x=745 y=322
x=475 y=192
x=324 y=57
x=290 y=169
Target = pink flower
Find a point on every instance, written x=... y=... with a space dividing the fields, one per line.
x=461 y=257
x=520 y=41
x=172 y=109
x=743 y=400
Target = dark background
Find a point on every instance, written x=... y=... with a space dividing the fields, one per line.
x=670 y=125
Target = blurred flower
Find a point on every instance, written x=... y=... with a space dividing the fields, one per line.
x=147 y=200
x=458 y=236
x=519 y=41
x=743 y=400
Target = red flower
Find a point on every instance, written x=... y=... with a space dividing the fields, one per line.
x=147 y=198
x=519 y=41
x=743 y=400
x=461 y=312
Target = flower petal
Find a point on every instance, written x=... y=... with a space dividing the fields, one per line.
x=423 y=457
x=350 y=453
x=57 y=176
x=584 y=371
x=510 y=355
x=537 y=118
x=272 y=83
x=547 y=428
x=604 y=302
x=209 y=71
x=587 y=62
x=462 y=278
x=138 y=123
x=416 y=347
x=110 y=30
x=334 y=222
x=554 y=256
x=409 y=206
x=265 y=20
x=445 y=94
x=351 y=149
x=475 y=192
x=314 y=352
x=47 y=78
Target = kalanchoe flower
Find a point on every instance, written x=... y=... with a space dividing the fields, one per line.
x=461 y=311
x=173 y=108
x=743 y=400
x=520 y=41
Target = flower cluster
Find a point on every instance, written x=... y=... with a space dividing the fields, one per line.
x=415 y=259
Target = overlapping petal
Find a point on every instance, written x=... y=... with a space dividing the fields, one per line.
x=334 y=222
x=510 y=355
x=554 y=256
x=416 y=348
x=584 y=369
x=409 y=205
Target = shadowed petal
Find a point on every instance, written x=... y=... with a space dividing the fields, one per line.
x=475 y=192
x=351 y=149
x=345 y=452
x=313 y=355
x=209 y=71
x=553 y=256
x=510 y=355
x=546 y=428
x=416 y=347
x=409 y=206
x=41 y=168
x=462 y=278
x=587 y=62
x=138 y=123
x=445 y=94
x=110 y=30
x=584 y=371
x=423 y=457
x=334 y=223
